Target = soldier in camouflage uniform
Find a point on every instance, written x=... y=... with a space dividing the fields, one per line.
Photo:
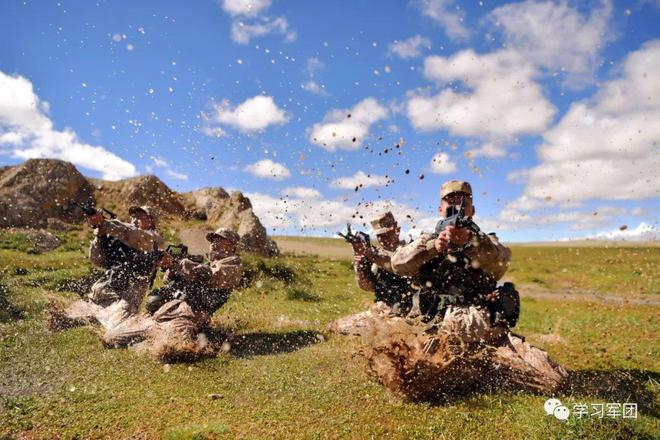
x=373 y=269
x=127 y=252
x=179 y=311
x=456 y=271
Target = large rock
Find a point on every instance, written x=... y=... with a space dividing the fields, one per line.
x=143 y=190
x=40 y=189
x=233 y=211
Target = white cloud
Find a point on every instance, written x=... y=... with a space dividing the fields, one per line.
x=26 y=132
x=347 y=128
x=313 y=65
x=360 y=180
x=252 y=115
x=446 y=14
x=555 y=35
x=242 y=31
x=268 y=169
x=301 y=192
x=502 y=99
x=442 y=164
x=247 y=8
x=311 y=214
x=489 y=149
x=643 y=232
x=161 y=162
x=314 y=87
x=410 y=48
x=605 y=147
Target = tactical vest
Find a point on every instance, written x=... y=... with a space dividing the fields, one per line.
x=451 y=280
x=123 y=263
x=391 y=288
x=199 y=296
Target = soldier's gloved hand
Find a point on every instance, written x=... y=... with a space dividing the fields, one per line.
x=359 y=260
x=458 y=236
x=359 y=249
x=166 y=261
x=95 y=220
x=442 y=242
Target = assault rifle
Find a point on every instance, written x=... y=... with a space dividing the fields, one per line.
x=89 y=210
x=455 y=216
x=355 y=239
x=179 y=252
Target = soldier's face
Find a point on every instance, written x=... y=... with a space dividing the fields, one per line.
x=389 y=239
x=455 y=200
x=142 y=220
x=223 y=246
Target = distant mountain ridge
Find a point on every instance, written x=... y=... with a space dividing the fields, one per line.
x=41 y=193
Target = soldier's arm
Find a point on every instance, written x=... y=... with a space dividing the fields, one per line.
x=96 y=252
x=364 y=278
x=191 y=271
x=382 y=258
x=408 y=259
x=226 y=273
x=489 y=254
x=139 y=239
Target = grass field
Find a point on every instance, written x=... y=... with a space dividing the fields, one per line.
x=285 y=377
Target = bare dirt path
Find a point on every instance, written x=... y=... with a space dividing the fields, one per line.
x=570 y=295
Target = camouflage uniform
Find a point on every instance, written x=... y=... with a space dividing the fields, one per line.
x=455 y=286
x=183 y=307
x=374 y=273
x=129 y=256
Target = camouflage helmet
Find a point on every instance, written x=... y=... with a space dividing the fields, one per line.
x=225 y=233
x=384 y=223
x=455 y=186
x=133 y=210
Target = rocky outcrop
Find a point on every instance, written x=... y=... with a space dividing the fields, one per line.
x=41 y=193
x=233 y=211
x=40 y=189
x=143 y=190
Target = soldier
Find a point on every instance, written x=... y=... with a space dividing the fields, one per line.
x=456 y=271
x=373 y=269
x=178 y=312
x=127 y=252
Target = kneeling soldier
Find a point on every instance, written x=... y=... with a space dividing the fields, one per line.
x=373 y=268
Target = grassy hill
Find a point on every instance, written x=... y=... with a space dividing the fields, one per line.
x=284 y=377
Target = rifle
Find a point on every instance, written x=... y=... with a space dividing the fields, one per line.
x=179 y=252
x=456 y=217
x=89 y=210
x=355 y=239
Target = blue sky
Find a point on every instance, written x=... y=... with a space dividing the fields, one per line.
x=549 y=108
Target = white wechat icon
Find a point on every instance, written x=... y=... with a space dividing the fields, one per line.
x=554 y=407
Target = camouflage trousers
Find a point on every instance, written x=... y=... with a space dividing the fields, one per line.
x=172 y=333
x=106 y=305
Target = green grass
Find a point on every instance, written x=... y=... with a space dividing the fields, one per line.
x=283 y=379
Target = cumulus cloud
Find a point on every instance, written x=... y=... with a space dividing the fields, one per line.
x=360 y=180
x=605 y=147
x=347 y=128
x=410 y=48
x=502 y=99
x=643 y=232
x=268 y=169
x=312 y=86
x=446 y=14
x=555 y=35
x=442 y=164
x=301 y=192
x=249 y=21
x=252 y=115
x=27 y=132
x=243 y=31
x=309 y=213
x=162 y=163
x=313 y=65
x=247 y=8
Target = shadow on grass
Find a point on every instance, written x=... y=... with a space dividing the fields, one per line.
x=620 y=386
x=262 y=343
x=8 y=312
